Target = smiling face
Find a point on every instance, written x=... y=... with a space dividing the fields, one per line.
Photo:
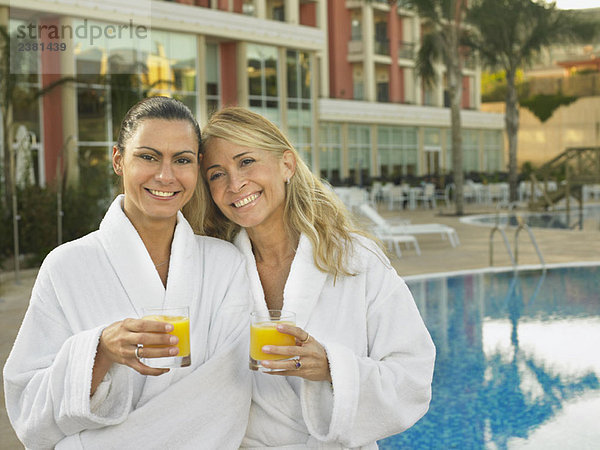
x=159 y=167
x=247 y=184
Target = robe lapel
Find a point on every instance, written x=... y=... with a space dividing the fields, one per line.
x=304 y=284
x=242 y=242
x=184 y=268
x=130 y=259
x=183 y=288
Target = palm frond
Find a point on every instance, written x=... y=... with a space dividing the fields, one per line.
x=429 y=53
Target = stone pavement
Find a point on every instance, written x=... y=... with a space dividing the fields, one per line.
x=557 y=246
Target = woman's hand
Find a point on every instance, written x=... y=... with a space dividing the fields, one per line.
x=119 y=342
x=312 y=363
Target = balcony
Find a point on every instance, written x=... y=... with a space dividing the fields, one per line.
x=355 y=48
x=381 y=47
x=406 y=50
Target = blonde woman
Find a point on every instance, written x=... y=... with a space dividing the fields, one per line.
x=365 y=359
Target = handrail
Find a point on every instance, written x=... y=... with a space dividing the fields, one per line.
x=523 y=226
x=504 y=237
x=506 y=244
x=514 y=257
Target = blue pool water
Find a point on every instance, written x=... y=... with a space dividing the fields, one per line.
x=551 y=219
x=518 y=360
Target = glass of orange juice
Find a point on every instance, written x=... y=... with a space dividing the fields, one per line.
x=263 y=332
x=179 y=317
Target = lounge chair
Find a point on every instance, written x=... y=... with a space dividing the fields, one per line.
x=393 y=240
x=411 y=229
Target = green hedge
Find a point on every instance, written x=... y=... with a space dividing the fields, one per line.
x=38 y=224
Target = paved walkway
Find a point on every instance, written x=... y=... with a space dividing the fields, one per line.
x=557 y=246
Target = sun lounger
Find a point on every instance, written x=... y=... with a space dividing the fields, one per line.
x=413 y=229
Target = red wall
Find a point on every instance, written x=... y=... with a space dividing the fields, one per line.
x=340 y=70
x=51 y=104
x=308 y=14
x=465 y=92
x=394 y=33
x=238 y=6
x=228 y=52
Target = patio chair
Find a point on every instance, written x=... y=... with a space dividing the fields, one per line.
x=411 y=229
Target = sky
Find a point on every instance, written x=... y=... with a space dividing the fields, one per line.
x=577 y=4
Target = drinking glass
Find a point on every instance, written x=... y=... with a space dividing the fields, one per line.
x=263 y=332
x=179 y=317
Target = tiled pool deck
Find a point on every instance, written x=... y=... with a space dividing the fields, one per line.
x=557 y=246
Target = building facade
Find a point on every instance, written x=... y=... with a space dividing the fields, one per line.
x=337 y=76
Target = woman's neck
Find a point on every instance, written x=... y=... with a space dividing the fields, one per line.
x=157 y=236
x=272 y=247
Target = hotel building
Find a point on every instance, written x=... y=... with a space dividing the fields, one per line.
x=337 y=76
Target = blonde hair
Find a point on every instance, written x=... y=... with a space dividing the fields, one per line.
x=311 y=207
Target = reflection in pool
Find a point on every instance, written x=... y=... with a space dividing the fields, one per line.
x=518 y=360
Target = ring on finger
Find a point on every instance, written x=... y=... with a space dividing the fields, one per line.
x=137 y=351
x=306 y=339
x=298 y=364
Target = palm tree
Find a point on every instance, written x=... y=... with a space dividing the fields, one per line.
x=441 y=42
x=507 y=34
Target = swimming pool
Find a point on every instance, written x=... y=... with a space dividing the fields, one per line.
x=549 y=219
x=518 y=360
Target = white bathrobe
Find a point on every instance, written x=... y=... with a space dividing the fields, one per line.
x=106 y=276
x=380 y=355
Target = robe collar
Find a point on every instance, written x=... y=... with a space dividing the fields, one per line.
x=135 y=269
x=303 y=286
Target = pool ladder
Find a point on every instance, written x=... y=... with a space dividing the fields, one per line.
x=514 y=258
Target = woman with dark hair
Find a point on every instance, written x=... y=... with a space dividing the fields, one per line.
x=362 y=363
x=75 y=377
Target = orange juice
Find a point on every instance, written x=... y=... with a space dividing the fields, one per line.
x=181 y=329
x=265 y=333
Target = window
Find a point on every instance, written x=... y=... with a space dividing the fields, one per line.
x=213 y=86
x=276 y=10
x=113 y=75
x=330 y=152
x=397 y=151
x=470 y=149
x=263 y=93
x=493 y=151
x=26 y=110
x=299 y=102
x=359 y=153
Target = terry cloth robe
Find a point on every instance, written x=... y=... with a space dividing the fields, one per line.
x=104 y=277
x=380 y=355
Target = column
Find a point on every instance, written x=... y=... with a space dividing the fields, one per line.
x=374 y=172
x=323 y=55
x=68 y=93
x=282 y=87
x=292 y=11
x=260 y=8
x=344 y=172
x=368 y=38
